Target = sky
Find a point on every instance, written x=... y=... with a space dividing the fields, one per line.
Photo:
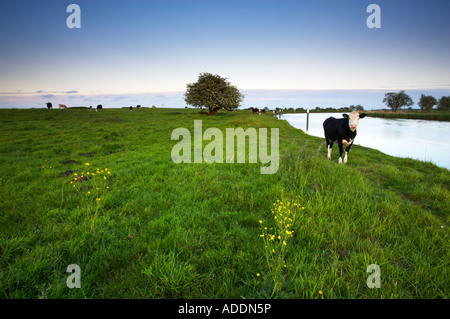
x=283 y=53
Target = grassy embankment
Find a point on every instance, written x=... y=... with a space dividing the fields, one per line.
x=412 y=115
x=145 y=227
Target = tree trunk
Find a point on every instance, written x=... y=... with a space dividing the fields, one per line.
x=213 y=110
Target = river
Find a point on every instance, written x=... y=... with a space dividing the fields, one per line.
x=418 y=139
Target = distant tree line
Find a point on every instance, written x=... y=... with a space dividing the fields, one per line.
x=396 y=101
x=319 y=109
x=215 y=93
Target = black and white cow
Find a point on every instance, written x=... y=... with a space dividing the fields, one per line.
x=99 y=107
x=341 y=131
x=49 y=106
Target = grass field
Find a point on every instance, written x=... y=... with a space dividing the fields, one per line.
x=141 y=226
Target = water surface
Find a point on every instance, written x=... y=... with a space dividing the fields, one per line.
x=417 y=139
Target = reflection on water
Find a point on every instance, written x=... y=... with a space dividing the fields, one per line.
x=418 y=139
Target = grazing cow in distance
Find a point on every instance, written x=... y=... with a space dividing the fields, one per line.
x=99 y=107
x=62 y=106
x=138 y=106
x=153 y=107
x=131 y=108
x=49 y=106
x=254 y=110
x=341 y=131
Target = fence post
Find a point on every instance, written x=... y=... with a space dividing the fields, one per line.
x=307 y=119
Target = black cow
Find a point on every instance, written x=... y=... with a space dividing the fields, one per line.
x=99 y=107
x=254 y=110
x=138 y=106
x=341 y=131
x=131 y=108
x=49 y=105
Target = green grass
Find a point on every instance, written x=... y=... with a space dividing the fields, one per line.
x=166 y=230
x=412 y=115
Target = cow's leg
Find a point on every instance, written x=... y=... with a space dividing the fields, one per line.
x=341 y=150
x=347 y=149
x=329 y=147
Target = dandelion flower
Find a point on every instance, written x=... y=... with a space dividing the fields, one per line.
x=87 y=164
x=260 y=221
x=257 y=275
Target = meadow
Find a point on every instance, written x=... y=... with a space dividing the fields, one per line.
x=99 y=189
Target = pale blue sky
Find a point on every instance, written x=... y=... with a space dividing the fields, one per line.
x=145 y=52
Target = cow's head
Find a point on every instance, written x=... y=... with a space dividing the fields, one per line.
x=353 y=119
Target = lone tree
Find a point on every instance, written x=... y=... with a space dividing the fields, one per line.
x=213 y=92
x=396 y=101
x=426 y=103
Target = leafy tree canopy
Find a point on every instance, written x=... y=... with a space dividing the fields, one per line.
x=426 y=103
x=396 y=101
x=214 y=92
x=444 y=103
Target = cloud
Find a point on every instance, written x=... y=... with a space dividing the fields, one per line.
x=57 y=92
x=48 y=96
